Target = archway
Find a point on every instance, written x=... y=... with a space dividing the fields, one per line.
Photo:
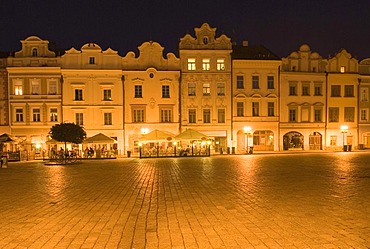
x=293 y=141
x=315 y=141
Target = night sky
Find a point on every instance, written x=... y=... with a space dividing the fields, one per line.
x=280 y=25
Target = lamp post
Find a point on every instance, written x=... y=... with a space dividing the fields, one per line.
x=247 y=131
x=140 y=145
x=344 y=130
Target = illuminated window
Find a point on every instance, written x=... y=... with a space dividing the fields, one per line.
x=107 y=118
x=220 y=64
x=206 y=89
x=138 y=115
x=19 y=115
x=191 y=64
x=165 y=91
x=192 y=116
x=206 y=64
x=107 y=94
x=79 y=118
x=18 y=88
x=255 y=82
x=342 y=69
x=333 y=140
x=35 y=86
x=91 y=60
x=166 y=115
x=191 y=89
x=270 y=109
x=239 y=109
x=220 y=89
x=270 y=82
x=255 y=109
x=138 y=91
x=36 y=115
x=53 y=115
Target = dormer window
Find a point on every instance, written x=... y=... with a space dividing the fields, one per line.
x=342 y=69
x=91 y=60
x=205 y=40
x=34 y=52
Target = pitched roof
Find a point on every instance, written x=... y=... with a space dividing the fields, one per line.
x=254 y=52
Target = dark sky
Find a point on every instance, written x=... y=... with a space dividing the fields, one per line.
x=280 y=25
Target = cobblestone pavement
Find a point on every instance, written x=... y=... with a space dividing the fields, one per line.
x=246 y=201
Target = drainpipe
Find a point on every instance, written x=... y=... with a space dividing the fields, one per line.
x=180 y=100
x=327 y=108
x=123 y=113
x=358 y=112
x=278 y=107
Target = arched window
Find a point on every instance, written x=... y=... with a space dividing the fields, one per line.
x=34 y=52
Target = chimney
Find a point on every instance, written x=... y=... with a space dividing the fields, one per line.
x=245 y=43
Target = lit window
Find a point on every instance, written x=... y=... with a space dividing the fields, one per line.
x=53 y=115
x=191 y=64
x=78 y=94
x=107 y=94
x=35 y=85
x=342 y=69
x=206 y=64
x=165 y=91
x=220 y=64
x=333 y=140
x=18 y=88
x=206 y=89
x=191 y=89
x=36 y=116
x=52 y=87
x=19 y=115
x=107 y=118
x=79 y=118
x=138 y=91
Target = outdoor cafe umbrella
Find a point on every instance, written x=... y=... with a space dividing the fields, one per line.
x=191 y=134
x=157 y=135
x=99 y=138
x=5 y=138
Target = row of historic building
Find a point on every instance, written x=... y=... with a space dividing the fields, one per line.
x=238 y=95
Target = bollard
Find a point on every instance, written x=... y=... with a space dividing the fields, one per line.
x=4 y=160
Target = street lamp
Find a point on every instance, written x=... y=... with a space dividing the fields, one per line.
x=247 y=131
x=344 y=130
x=140 y=146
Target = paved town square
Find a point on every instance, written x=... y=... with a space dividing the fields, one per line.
x=303 y=200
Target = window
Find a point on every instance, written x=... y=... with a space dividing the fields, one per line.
x=292 y=115
x=165 y=91
x=240 y=109
x=107 y=94
x=191 y=64
x=205 y=40
x=53 y=115
x=318 y=90
x=270 y=82
x=19 y=115
x=270 y=109
x=191 y=89
x=335 y=90
x=305 y=89
x=138 y=116
x=35 y=86
x=221 y=115
x=192 y=116
x=333 y=140
x=349 y=91
x=107 y=118
x=333 y=114
x=349 y=114
x=206 y=64
x=206 y=89
x=36 y=115
x=34 y=52
x=91 y=60
x=138 y=91
x=255 y=82
x=239 y=82
x=317 y=115
x=220 y=64
x=52 y=87
x=292 y=89
x=364 y=94
x=364 y=115
x=166 y=115
x=342 y=69
x=255 y=109
x=207 y=116
x=78 y=94
x=220 y=89
x=79 y=118
x=18 y=88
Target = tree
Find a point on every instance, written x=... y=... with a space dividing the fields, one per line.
x=67 y=133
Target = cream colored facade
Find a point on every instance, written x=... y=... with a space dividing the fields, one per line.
x=255 y=73
x=303 y=101
x=206 y=85
x=364 y=104
x=93 y=91
x=34 y=93
x=342 y=101
x=4 y=101
x=151 y=93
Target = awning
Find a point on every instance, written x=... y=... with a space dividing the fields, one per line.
x=157 y=135
x=99 y=138
x=6 y=138
x=191 y=134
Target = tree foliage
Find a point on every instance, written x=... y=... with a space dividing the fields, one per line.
x=68 y=133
